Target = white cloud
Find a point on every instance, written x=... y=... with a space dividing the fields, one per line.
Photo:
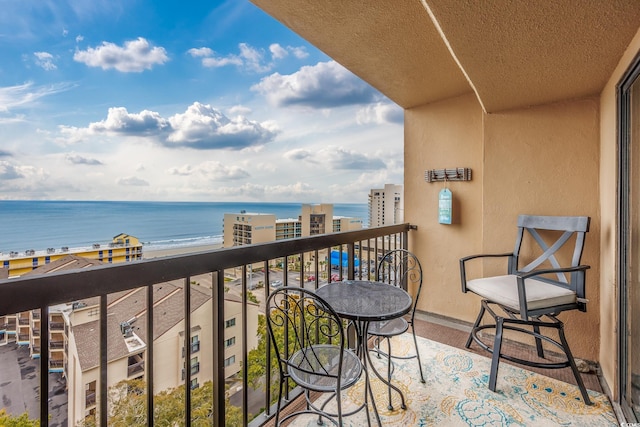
x=298 y=154
x=26 y=94
x=9 y=171
x=45 y=61
x=248 y=58
x=240 y=110
x=79 y=38
x=324 y=85
x=200 y=126
x=119 y=120
x=185 y=170
x=297 y=191
x=380 y=113
x=132 y=181
x=342 y=158
x=81 y=160
x=298 y=52
x=204 y=127
x=211 y=171
x=72 y=135
x=277 y=51
x=200 y=52
x=135 y=56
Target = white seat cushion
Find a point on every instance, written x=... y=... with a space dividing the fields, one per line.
x=504 y=290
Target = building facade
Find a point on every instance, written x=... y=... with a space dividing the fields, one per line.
x=128 y=340
x=386 y=205
x=122 y=248
x=247 y=228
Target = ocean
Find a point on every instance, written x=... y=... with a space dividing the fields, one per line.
x=39 y=225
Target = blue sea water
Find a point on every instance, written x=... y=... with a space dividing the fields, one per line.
x=159 y=225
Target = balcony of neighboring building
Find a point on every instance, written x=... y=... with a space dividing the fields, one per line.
x=135 y=365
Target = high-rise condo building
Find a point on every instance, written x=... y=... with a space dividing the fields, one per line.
x=386 y=205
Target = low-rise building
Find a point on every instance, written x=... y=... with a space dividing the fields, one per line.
x=74 y=347
x=122 y=248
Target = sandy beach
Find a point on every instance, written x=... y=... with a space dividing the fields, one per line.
x=149 y=253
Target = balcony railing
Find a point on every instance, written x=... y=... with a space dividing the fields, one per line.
x=57 y=326
x=135 y=368
x=304 y=256
x=90 y=398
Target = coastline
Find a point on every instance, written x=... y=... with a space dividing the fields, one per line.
x=179 y=250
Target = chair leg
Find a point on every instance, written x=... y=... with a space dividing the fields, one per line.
x=276 y=423
x=376 y=344
x=495 y=360
x=574 y=368
x=390 y=406
x=339 y=405
x=539 y=348
x=415 y=342
x=475 y=325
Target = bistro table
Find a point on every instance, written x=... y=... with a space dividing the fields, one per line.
x=364 y=301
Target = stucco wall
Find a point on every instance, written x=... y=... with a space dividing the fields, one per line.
x=447 y=134
x=541 y=160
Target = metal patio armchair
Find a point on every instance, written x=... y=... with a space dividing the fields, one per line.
x=530 y=297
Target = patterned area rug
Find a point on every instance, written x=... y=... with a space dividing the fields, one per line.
x=456 y=394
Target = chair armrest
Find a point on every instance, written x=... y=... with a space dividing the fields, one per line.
x=463 y=272
x=579 y=285
x=552 y=270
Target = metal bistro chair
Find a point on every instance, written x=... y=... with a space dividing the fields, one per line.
x=309 y=340
x=530 y=297
x=398 y=267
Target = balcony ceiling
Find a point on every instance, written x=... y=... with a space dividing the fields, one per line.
x=511 y=53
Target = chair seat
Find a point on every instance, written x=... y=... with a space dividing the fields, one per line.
x=306 y=365
x=389 y=328
x=504 y=290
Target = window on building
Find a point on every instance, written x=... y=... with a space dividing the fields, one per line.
x=229 y=323
x=195 y=344
x=229 y=361
x=231 y=341
x=195 y=366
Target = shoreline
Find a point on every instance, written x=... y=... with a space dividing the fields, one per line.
x=180 y=250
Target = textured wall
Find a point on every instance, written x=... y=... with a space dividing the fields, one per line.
x=541 y=160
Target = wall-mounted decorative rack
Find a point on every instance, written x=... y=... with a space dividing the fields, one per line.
x=439 y=175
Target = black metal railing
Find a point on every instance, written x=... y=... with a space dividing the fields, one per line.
x=302 y=262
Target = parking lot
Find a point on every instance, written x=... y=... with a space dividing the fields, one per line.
x=20 y=386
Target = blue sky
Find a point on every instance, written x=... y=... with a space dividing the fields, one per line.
x=182 y=101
